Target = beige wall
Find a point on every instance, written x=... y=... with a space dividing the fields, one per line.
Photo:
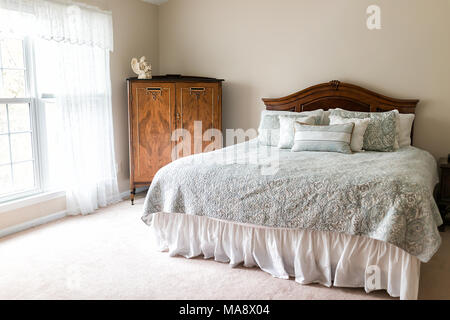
x=268 y=48
x=18 y=216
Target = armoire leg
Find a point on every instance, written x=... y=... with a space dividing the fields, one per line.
x=132 y=196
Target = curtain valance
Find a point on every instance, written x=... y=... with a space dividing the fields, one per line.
x=62 y=21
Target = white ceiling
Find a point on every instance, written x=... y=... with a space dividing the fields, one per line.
x=157 y=2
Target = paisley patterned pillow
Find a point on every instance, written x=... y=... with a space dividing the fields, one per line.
x=381 y=131
x=269 y=130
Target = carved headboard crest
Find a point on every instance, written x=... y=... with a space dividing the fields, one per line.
x=335 y=84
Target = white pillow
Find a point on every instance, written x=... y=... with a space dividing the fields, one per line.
x=287 y=129
x=406 y=123
x=269 y=126
x=359 y=130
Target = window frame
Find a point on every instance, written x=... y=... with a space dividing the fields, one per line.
x=36 y=125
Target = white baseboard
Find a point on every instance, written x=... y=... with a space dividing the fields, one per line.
x=32 y=224
x=126 y=195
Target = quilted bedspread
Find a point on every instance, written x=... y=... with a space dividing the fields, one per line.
x=383 y=196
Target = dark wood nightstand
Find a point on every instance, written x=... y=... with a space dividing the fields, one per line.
x=443 y=195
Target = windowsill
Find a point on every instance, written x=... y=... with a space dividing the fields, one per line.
x=31 y=200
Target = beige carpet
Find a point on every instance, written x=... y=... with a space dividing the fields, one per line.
x=110 y=255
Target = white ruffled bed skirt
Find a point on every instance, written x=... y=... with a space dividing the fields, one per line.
x=308 y=256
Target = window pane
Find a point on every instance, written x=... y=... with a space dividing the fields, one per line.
x=12 y=84
x=19 y=117
x=23 y=176
x=3 y=119
x=21 y=147
x=12 y=53
x=4 y=149
x=5 y=180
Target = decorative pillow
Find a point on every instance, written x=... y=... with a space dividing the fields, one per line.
x=326 y=117
x=269 y=130
x=269 y=127
x=381 y=131
x=287 y=129
x=335 y=138
x=361 y=125
x=406 y=123
x=397 y=129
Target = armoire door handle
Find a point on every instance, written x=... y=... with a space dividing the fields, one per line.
x=197 y=91
x=154 y=89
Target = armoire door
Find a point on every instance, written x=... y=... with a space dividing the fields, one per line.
x=199 y=102
x=152 y=119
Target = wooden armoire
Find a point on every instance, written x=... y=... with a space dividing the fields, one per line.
x=158 y=107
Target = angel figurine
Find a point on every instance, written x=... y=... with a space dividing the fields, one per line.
x=142 y=68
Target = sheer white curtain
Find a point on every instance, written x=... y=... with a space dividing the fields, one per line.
x=80 y=128
x=59 y=20
x=72 y=47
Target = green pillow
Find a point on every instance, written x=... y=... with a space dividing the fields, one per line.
x=381 y=132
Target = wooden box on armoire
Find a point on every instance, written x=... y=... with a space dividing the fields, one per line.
x=159 y=106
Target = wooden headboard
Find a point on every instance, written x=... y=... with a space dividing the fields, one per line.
x=336 y=94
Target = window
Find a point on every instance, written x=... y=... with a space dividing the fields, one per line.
x=66 y=143
x=19 y=163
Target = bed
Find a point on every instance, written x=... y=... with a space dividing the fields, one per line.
x=363 y=220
